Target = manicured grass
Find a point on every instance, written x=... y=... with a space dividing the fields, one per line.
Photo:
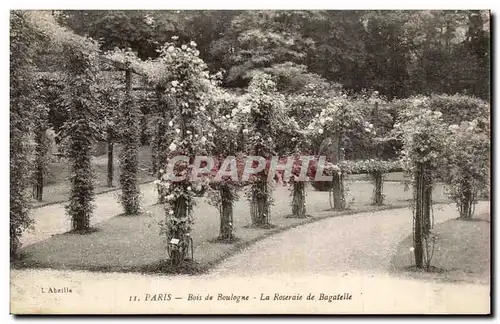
x=133 y=243
x=461 y=253
x=58 y=188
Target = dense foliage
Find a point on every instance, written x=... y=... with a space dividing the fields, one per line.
x=336 y=123
x=398 y=53
x=42 y=151
x=468 y=172
x=129 y=156
x=311 y=83
x=423 y=133
x=23 y=44
x=264 y=106
x=186 y=81
x=228 y=140
x=82 y=130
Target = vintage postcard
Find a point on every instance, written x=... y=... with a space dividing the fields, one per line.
x=250 y=162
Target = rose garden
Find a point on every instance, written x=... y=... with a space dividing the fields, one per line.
x=120 y=210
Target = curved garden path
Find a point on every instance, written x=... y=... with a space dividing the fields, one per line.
x=362 y=242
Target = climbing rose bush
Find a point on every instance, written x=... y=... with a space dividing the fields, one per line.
x=187 y=84
x=468 y=168
x=422 y=132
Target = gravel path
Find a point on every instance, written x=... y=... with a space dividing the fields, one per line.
x=361 y=242
x=52 y=219
x=339 y=255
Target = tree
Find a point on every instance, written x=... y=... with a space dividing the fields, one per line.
x=467 y=148
x=387 y=52
x=478 y=44
x=129 y=156
x=207 y=27
x=305 y=94
x=24 y=42
x=111 y=94
x=227 y=139
x=142 y=31
x=81 y=129
x=186 y=81
x=79 y=99
x=334 y=124
x=399 y=53
x=339 y=55
x=265 y=108
x=127 y=121
x=42 y=150
x=468 y=170
x=260 y=39
x=48 y=119
x=423 y=133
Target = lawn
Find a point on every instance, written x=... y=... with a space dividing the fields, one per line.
x=58 y=187
x=133 y=243
x=461 y=253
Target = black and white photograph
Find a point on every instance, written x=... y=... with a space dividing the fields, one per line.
x=272 y=161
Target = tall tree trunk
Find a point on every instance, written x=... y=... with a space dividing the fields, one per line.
x=299 y=200
x=129 y=157
x=423 y=223
x=226 y=214
x=39 y=183
x=158 y=143
x=82 y=190
x=182 y=206
x=20 y=150
x=40 y=161
x=154 y=153
x=110 y=161
x=467 y=201
x=181 y=212
x=338 y=192
x=418 y=244
x=260 y=204
x=338 y=178
x=378 y=181
x=161 y=156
